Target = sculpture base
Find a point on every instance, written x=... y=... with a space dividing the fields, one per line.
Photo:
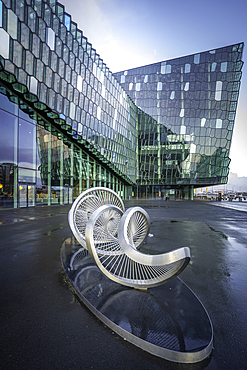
x=168 y=321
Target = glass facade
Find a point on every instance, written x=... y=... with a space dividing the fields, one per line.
x=68 y=123
x=40 y=165
x=193 y=102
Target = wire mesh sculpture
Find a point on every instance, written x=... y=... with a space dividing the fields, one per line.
x=113 y=238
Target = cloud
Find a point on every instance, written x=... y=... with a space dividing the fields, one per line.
x=106 y=28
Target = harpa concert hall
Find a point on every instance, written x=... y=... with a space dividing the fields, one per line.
x=68 y=123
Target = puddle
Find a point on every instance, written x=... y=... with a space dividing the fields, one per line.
x=51 y=231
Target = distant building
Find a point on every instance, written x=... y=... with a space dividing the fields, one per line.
x=68 y=123
x=232 y=175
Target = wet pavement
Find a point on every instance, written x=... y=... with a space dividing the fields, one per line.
x=43 y=326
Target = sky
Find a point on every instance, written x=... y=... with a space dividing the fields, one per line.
x=133 y=33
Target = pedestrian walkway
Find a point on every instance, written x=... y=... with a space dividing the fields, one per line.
x=44 y=327
x=8 y=215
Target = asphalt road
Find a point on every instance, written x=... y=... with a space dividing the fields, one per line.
x=43 y=326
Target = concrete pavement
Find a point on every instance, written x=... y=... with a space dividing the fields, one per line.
x=43 y=326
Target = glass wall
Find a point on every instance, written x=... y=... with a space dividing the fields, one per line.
x=39 y=165
x=8 y=152
x=191 y=102
x=52 y=66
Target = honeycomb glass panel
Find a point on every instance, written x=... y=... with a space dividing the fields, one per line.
x=29 y=62
x=4 y=44
x=55 y=24
x=51 y=38
x=20 y=9
x=38 y=7
x=48 y=76
x=17 y=54
x=213 y=67
x=187 y=68
x=219 y=123
x=39 y=70
x=25 y=35
x=36 y=46
x=31 y=19
x=45 y=53
x=168 y=69
x=47 y=14
x=218 y=90
x=66 y=21
x=33 y=85
x=12 y=24
x=197 y=58
x=223 y=67
x=42 y=29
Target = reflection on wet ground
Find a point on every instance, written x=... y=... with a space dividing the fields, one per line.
x=235 y=205
x=12 y=220
x=217 y=237
x=168 y=317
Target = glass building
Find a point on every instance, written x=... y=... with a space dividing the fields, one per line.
x=193 y=99
x=68 y=123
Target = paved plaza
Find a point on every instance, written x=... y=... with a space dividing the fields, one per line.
x=43 y=326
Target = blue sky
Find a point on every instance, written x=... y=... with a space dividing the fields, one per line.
x=128 y=34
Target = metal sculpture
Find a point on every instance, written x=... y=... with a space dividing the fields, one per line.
x=113 y=239
x=85 y=204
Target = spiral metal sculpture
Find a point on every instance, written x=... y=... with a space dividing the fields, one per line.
x=113 y=237
x=85 y=204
